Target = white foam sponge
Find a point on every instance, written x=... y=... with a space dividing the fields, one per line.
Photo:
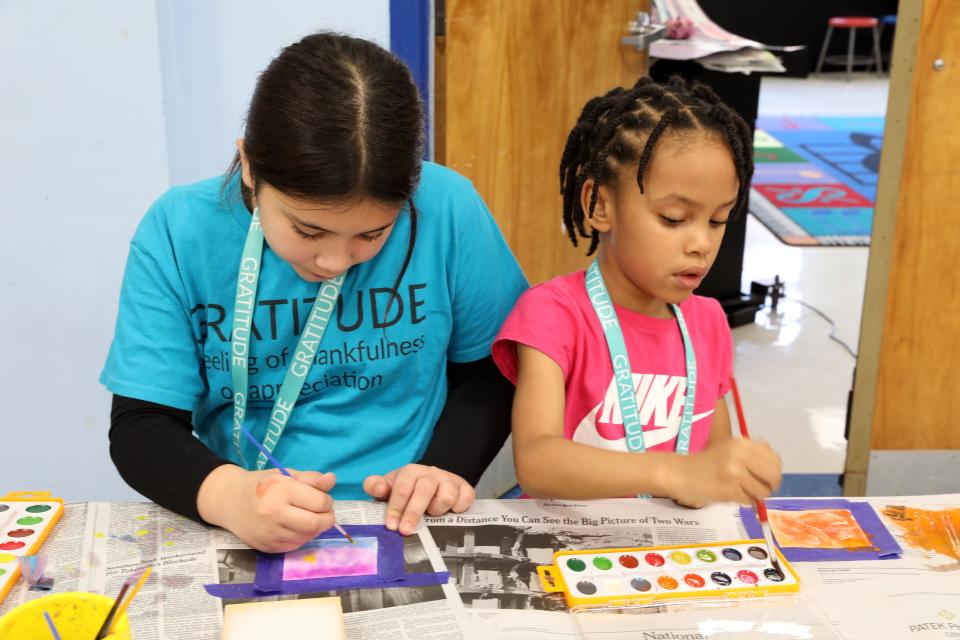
x=310 y=618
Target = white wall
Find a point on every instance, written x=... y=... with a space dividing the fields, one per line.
x=212 y=52
x=103 y=105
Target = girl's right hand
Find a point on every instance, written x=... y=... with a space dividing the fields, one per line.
x=268 y=511
x=742 y=471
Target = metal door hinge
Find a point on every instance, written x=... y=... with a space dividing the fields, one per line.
x=642 y=32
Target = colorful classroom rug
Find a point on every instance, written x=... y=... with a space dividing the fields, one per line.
x=815 y=179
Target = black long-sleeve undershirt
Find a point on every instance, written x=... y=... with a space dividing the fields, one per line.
x=156 y=453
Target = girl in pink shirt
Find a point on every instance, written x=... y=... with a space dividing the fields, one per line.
x=620 y=370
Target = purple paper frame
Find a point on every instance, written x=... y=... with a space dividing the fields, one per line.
x=295 y=587
x=390 y=570
x=884 y=545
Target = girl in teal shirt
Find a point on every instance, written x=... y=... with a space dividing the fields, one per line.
x=334 y=295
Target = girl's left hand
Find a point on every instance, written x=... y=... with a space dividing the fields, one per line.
x=414 y=489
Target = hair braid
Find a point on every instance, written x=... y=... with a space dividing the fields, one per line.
x=609 y=135
x=665 y=121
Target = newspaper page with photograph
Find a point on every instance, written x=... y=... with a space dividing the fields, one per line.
x=98 y=545
x=493 y=550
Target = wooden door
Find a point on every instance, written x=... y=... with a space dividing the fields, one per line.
x=511 y=79
x=906 y=391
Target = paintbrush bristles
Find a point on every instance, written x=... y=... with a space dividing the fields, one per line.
x=343 y=532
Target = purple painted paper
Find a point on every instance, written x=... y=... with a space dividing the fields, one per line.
x=331 y=558
x=389 y=564
x=884 y=546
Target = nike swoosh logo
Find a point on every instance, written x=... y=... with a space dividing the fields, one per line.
x=701 y=416
x=586 y=433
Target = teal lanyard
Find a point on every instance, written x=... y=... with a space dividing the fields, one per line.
x=623 y=374
x=303 y=357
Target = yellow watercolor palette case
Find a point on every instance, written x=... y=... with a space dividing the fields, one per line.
x=26 y=519
x=647 y=574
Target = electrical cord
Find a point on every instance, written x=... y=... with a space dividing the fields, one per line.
x=777 y=291
x=833 y=326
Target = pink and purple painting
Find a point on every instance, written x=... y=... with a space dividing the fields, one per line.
x=331 y=557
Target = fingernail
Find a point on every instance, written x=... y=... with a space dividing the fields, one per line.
x=406 y=528
x=391 y=524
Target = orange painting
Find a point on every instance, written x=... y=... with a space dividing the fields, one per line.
x=818 y=529
x=933 y=530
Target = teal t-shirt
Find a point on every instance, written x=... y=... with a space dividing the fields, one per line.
x=378 y=383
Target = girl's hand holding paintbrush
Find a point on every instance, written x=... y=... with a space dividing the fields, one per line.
x=267 y=510
x=728 y=470
x=742 y=471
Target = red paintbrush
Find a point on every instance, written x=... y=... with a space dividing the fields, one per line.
x=761 y=507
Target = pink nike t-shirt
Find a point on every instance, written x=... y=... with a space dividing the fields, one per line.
x=558 y=319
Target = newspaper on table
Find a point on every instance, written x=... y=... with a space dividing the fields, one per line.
x=711 y=45
x=98 y=545
x=914 y=596
x=492 y=552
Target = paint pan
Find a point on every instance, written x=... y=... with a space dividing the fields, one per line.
x=618 y=576
x=27 y=518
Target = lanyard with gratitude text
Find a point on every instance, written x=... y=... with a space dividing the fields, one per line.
x=303 y=357
x=623 y=374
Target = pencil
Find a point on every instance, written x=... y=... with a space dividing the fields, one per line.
x=760 y=506
x=262 y=449
x=133 y=594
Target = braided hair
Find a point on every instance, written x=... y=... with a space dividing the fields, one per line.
x=609 y=134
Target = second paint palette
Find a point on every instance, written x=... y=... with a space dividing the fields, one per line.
x=26 y=519
x=622 y=576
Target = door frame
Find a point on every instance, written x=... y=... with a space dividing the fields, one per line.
x=412 y=30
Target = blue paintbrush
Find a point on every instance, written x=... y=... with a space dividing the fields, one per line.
x=262 y=449
x=53 y=627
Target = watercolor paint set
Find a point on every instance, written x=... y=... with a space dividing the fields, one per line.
x=647 y=574
x=26 y=519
